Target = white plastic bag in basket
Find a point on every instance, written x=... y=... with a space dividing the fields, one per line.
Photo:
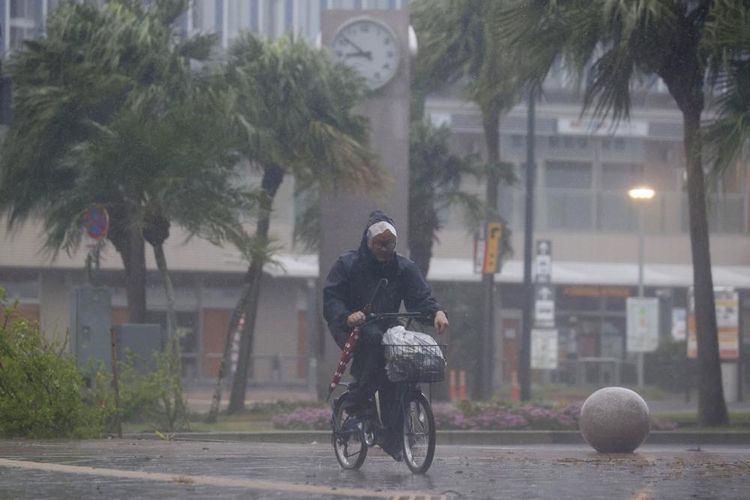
x=398 y=335
x=406 y=363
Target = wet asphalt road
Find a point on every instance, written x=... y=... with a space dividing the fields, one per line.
x=188 y=469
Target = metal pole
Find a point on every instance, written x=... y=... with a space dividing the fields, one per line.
x=524 y=365
x=640 y=280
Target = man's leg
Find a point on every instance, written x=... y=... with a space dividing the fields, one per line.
x=392 y=415
x=368 y=364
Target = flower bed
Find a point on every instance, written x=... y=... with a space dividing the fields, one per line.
x=498 y=417
x=467 y=416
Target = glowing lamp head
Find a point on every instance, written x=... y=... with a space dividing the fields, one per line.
x=641 y=193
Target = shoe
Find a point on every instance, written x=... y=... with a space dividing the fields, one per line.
x=394 y=450
x=397 y=455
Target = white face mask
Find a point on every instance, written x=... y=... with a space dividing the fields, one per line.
x=379 y=228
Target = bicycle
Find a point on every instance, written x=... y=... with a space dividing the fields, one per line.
x=356 y=429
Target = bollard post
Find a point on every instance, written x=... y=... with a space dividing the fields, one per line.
x=515 y=390
x=115 y=382
x=462 y=385
x=452 y=385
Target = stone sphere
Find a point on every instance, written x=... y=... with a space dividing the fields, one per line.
x=614 y=420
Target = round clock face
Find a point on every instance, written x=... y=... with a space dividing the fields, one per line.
x=370 y=48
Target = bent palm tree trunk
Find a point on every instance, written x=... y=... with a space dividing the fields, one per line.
x=156 y=232
x=234 y=322
x=272 y=179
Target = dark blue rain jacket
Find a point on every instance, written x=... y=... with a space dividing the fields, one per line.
x=354 y=277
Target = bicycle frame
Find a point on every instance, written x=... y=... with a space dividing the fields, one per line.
x=362 y=431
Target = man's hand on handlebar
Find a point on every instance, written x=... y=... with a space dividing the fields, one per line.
x=356 y=319
x=441 y=322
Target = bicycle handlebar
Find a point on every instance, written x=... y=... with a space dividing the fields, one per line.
x=411 y=315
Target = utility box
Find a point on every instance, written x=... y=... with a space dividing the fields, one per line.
x=138 y=342
x=90 y=324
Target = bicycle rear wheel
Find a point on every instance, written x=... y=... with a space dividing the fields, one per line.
x=419 y=434
x=347 y=437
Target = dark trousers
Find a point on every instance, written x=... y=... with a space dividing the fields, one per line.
x=368 y=369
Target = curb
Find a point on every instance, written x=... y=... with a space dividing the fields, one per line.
x=489 y=438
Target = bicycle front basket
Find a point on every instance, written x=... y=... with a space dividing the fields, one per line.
x=415 y=363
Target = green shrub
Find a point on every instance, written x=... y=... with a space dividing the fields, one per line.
x=40 y=389
x=155 y=398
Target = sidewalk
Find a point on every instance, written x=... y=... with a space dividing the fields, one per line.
x=199 y=398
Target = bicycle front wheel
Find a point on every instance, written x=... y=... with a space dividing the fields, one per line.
x=419 y=434
x=347 y=438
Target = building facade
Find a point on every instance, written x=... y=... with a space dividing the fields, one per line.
x=581 y=206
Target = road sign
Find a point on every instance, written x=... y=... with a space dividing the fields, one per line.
x=544 y=349
x=726 y=301
x=543 y=261
x=487 y=248
x=492 y=251
x=544 y=306
x=96 y=222
x=642 y=324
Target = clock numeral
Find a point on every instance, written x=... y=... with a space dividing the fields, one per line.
x=390 y=54
x=387 y=41
x=376 y=75
x=386 y=66
x=364 y=28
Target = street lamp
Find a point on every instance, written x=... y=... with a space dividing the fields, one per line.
x=641 y=194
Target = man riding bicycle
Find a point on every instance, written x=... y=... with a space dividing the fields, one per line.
x=351 y=284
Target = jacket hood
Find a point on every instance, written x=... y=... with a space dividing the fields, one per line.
x=364 y=249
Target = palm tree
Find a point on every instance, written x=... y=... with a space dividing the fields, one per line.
x=613 y=43
x=457 y=44
x=435 y=176
x=108 y=111
x=728 y=37
x=302 y=124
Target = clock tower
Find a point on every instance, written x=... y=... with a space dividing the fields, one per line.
x=375 y=43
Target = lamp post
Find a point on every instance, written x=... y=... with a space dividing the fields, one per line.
x=641 y=194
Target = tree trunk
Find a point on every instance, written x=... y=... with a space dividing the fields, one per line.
x=173 y=341
x=420 y=246
x=234 y=322
x=272 y=179
x=491 y=125
x=712 y=409
x=422 y=222
x=127 y=238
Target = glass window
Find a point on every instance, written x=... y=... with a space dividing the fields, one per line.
x=615 y=210
x=620 y=176
x=568 y=174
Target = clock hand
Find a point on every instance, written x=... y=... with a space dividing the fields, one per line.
x=359 y=49
x=368 y=54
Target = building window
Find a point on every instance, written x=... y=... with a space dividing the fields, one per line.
x=568 y=194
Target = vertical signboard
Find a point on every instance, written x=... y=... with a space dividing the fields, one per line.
x=544 y=298
x=642 y=324
x=544 y=307
x=544 y=349
x=487 y=248
x=679 y=323
x=727 y=303
x=543 y=261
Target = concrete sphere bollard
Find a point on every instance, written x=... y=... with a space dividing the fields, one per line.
x=614 y=420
